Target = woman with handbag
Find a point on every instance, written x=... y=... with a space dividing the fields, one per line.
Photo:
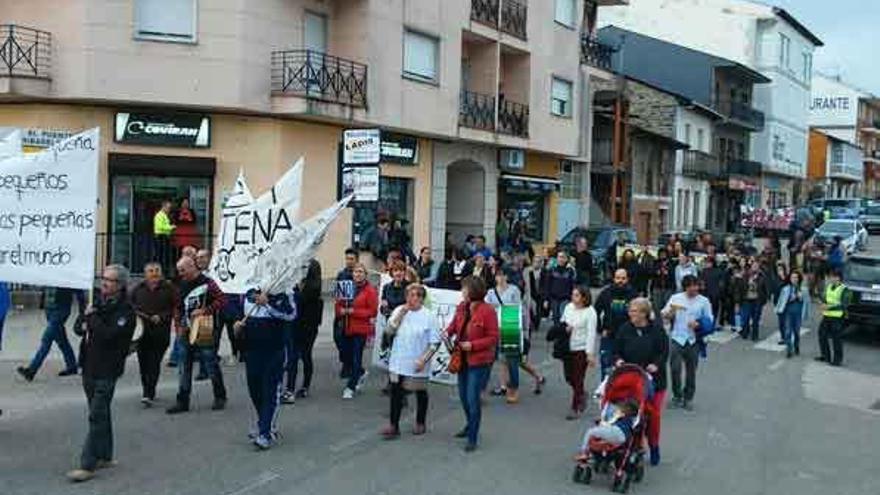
x=581 y=321
x=475 y=328
x=413 y=334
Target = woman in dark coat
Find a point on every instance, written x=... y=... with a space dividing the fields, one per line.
x=643 y=342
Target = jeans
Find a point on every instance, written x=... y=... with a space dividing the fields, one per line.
x=751 y=319
x=177 y=352
x=471 y=382
x=512 y=362
x=689 y=355
x=606 y=356
x=830 y=333
x=792 y=317
x=575 y=369
x=781 y=319
x=150 y=349
x=99 y=441
x=55 y=332
x=188 y=355
x=356 y=344
x=556 y=306
x=304 y=342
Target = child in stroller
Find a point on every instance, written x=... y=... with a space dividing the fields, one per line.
x=616 y=441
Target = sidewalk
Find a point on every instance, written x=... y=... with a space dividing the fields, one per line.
x=23 y=329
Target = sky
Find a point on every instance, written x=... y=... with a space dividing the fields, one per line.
x=850 y=30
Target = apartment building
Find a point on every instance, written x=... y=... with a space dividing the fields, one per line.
x=764 y=38
x=476 y=101
x=716 y=175
x=836 y=167
x=847 y=114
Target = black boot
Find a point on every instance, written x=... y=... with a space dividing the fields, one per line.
x=178 y=408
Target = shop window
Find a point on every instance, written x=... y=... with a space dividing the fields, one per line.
x=420 y=53
x=396 y=204
x=527 y=210
x=571 y=178
x=166 y=20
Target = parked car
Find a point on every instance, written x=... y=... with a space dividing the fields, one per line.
x=861 y=275
x=843 y=212
x=851 y=232
x=599 y=239
x=871 y=217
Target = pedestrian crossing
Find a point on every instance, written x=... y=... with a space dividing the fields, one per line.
x=770 y=343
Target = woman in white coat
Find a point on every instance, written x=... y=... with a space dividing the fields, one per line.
x=580 y=322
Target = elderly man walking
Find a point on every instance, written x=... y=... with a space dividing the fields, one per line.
x=106 y=329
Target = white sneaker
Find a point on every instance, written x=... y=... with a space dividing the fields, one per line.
x=348 y=394
x=362 y=381
x=288 y=397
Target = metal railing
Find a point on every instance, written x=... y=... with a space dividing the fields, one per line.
x=318 y=76
x=842 y=169
x=134 y=250
x=701 y=165
x=485 y=11
x=741 y=166
x=476 y=111
x=595 y=53
x=513 y=118
x=514 y=18
x=24 y=51
x=742 y=113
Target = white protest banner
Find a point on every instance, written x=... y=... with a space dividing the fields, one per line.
x=47 y=214
x=248 y=226
x=442 y=303
x=10 y=142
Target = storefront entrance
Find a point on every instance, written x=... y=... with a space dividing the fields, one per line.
x=137 y=193
x=396 y=204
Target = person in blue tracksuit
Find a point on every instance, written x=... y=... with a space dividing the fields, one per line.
x=264 y=335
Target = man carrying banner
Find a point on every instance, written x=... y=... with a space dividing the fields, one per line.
x=264 y=330
x=199 y=301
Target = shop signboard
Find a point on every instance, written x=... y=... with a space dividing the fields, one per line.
x=361 y=146
x=361 y=182
x=47 y=214
x=187 y=130
x=399 y=148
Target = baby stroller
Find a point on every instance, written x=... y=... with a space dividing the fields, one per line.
x=626 y=462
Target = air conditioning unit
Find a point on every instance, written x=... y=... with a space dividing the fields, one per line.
x=512 y=159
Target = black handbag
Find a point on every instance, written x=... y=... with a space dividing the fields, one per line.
x=558 y=334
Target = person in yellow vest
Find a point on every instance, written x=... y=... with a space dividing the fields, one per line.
x=162 y=230
x=834 y=304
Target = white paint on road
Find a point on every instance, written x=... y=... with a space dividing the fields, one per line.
x=841 y=387
x=771 y=343
x=722 y=337
x=263 y=479
x=776 y=365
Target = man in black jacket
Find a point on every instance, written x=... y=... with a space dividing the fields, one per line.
x=344 y=291
x=106 y=329
x=612 y=309
x=583 y=261
x=558 y=285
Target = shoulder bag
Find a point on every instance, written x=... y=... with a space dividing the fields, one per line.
x=456 y=354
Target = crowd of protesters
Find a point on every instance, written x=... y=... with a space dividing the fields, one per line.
x=654 y=312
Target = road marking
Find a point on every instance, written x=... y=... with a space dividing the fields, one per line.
x=776 y=365
x=265 y=478
x=770 y=343
x=722 y=337
x=840 y=387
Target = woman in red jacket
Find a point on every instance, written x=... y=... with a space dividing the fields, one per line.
x=475 y=326
x=359 y=315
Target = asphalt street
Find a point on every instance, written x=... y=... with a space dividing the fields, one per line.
x=762 y=424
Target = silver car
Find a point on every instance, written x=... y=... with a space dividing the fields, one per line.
x=870 y=217
x=851 y=232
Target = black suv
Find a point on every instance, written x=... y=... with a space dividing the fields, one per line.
x=862 y=277
x=598 y=241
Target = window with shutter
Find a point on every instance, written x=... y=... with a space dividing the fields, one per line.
x=420 y=56
x=560 y=97
x=167 y=20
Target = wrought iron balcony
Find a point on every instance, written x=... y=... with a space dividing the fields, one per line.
x=485 y=11
x=514 y=18
x=24 y=52
x=595 y=53
x=701 y=165
x=477 y=111
x=741 y=166
x=513 y=118
x=741 y=113
x=318 y=76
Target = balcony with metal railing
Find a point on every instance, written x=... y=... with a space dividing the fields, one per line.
x=700 y=165
x=508 y=16
x=476 y=111
x=741 y=114
x=595 y=53
x=744 y=167
x=318 y=76
x=513 y=118
x=25 y=60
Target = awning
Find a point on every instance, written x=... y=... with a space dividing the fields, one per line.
x=529 y=183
